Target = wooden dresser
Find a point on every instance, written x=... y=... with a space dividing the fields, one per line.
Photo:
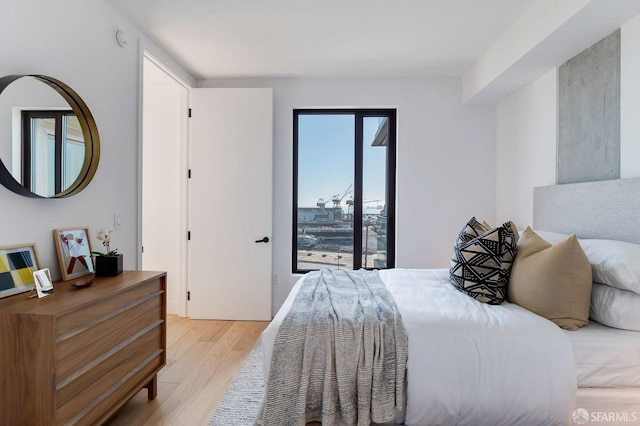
x=77 y=355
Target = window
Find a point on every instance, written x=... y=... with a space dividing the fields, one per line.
x=343 y=189
x=53 y=151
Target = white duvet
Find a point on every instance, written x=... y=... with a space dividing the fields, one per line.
x=471 y=363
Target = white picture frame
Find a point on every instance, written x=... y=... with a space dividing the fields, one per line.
x=43 y=282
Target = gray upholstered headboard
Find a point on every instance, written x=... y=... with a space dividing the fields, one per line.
x=607 y=209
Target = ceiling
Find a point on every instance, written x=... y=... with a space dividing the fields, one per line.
x=323 y=38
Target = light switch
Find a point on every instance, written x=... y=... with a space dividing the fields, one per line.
x=117 y=221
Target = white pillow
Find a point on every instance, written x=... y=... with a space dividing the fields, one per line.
x=614 y=307
x=615 y=263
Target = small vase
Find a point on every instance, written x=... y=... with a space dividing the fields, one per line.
x=108 y=266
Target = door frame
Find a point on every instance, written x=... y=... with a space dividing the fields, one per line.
x=184 y=153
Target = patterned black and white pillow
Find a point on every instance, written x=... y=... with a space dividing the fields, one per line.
x=471 y=230
x=481 y=261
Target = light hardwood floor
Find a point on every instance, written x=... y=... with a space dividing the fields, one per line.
x=203 y=357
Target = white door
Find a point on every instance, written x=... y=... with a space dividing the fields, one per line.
x=231 y=138
x=164 y=180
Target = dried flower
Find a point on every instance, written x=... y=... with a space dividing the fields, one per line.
x=104 y=235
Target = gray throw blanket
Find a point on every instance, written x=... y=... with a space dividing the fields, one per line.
x=340 y=354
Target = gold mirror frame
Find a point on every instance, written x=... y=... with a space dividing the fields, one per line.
x=89 y=132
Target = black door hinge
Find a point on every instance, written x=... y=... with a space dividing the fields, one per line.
x=142 y=249
x=189 y=235
x=188 y=295
x=189 y=112
x=189 y=174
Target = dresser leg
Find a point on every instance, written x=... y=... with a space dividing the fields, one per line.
x=152 y=388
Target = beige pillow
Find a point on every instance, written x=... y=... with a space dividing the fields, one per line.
x=553 y=281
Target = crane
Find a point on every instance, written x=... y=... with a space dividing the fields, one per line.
x=337 y=199
x=350 y=204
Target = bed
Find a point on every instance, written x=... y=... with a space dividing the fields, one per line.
x=607 y=359
x=474 y=363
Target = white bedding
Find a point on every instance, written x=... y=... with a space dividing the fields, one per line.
x=606 y=357
x=472 y=363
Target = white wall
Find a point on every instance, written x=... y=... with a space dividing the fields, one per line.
x=527 y=128
x=531 y=37
x=446 y=161
x=526 y=148
x=630 y=99
x=73 y=41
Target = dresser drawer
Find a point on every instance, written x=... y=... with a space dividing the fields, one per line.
x=125 y=367
x=134 y=381
x=87 y=316
x=85 y=375
x=91 y=344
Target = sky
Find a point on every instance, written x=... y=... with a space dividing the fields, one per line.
x=326 y=157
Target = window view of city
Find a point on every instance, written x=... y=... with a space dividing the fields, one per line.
x=328 y=215
x=326 y=236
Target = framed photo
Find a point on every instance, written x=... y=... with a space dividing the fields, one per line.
x=17 y=264
x=44 y=285
x=74 y=252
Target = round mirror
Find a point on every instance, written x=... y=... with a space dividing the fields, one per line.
x=49 y=144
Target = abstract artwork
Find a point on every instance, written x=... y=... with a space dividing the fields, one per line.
x=17 y=264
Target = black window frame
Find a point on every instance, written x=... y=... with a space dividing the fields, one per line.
x=27 y=144
x=390 y=205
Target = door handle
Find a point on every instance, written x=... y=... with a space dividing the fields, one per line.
x=264 y=240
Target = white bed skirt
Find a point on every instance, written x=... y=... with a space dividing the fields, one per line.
x=608 y=406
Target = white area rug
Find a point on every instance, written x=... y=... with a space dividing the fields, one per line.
x=244 y=396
